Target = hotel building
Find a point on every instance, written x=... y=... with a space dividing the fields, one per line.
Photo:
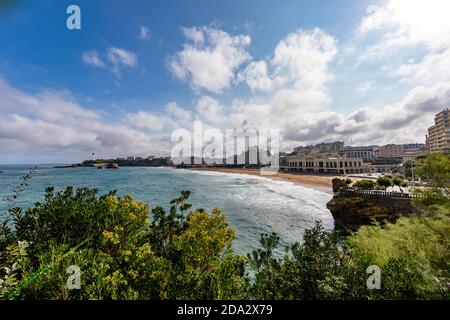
x=322 y=163
x=439 y=134
x=364 y=152
x=390 y=151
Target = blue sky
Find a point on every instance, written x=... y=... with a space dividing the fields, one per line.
x=320 y=70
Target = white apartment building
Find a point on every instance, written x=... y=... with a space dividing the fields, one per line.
x=439 y=134
x=364 y=152
x=320 y=163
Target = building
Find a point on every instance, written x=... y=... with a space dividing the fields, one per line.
x=304 y=150
x=335 y=146
x=410 y=156
x=439 y=134
x=413 y=147
x=389 y=151
x=364 y=152
x=413 y=150
x=321 y=163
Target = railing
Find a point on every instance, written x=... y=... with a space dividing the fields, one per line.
x=401 y=195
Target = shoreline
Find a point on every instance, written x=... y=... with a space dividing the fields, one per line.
x=318 y=182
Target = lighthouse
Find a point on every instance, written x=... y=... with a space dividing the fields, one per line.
x=93 y=156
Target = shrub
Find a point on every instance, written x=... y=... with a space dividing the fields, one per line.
x=365 y=184
x=385 y=182
x=122 y=251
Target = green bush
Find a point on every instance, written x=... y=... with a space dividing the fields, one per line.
x=385 y=182
x=123 y=251
x=413 y=254
x=365 y=184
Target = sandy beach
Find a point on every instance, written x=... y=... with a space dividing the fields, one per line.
x=321 y=182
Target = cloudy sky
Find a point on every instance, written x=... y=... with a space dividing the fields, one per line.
x=361 y=71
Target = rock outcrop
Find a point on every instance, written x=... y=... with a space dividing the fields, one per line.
x=351 y=210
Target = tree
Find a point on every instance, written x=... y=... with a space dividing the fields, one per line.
x=435 y=168
x=314 y=269
x=399 y=182
x=365 y=184
x=384 y=182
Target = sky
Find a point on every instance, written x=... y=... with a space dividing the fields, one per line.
x=360 y=71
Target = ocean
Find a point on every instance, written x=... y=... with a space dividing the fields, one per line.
x=253 y=205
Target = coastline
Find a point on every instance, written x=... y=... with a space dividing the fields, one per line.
x=319 y=182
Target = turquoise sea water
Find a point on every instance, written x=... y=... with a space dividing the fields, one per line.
x=253 y=205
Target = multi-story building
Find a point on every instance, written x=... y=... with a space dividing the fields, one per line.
x=364 y=152
x=301 y=149
x=335 y=146
x=413 y=150
x=322 y=163
x=389 y=151
x=439 y=134
x=413 y=147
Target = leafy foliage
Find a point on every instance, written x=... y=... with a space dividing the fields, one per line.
x=314 y=269
x=385 y=182
x=121 y=253
x=365 y=184
x=436 y=169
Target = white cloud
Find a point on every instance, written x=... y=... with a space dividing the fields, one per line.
x=121 y=57
x=116 y=59
x=363 y=88
x=256 y=76
x=303 y=57
x=210 y=110
x=294 y=79
x=295 y=83
x=49 y=105
x=298 y=72
x=92 y=58
x=144 y=33
x=148 y=121
x=194 y=34
x=210 y=58
x=432 y=68
x=180 y=116
x=407 y=24
x=404 y=121
x=52 y=121
x=173 y=117
x=411 y=22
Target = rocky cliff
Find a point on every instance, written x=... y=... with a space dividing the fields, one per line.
x=351 y=210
